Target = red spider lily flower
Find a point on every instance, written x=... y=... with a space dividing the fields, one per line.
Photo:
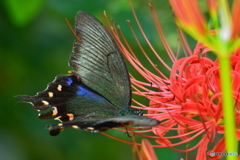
x=223 y=44
x=190 y=17
x=189 y=14
x=196 y=110
x=236 y=20
x=145 y=151
x=189 y=101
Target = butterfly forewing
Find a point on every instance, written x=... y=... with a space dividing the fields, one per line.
x=98 y=62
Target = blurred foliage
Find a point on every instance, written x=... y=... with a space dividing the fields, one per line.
x=35 y=45
x=22 y=12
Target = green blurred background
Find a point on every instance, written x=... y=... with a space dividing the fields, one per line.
x=35 y=45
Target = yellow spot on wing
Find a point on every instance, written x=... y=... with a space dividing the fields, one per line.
x=58 y=117
x=90 y=128
x=45 y=102
x=61 y=129
x=75 y=126
x=70 y=116
x=55 y=111
x=50 y=94
x=59 y=87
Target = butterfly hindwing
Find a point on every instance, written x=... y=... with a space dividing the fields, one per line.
x=104 y=124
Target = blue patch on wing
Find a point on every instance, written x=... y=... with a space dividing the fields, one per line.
x=83 y=90
x=69 y=81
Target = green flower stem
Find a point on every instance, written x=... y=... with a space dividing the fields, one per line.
x=226 y=81
x=228 y=105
